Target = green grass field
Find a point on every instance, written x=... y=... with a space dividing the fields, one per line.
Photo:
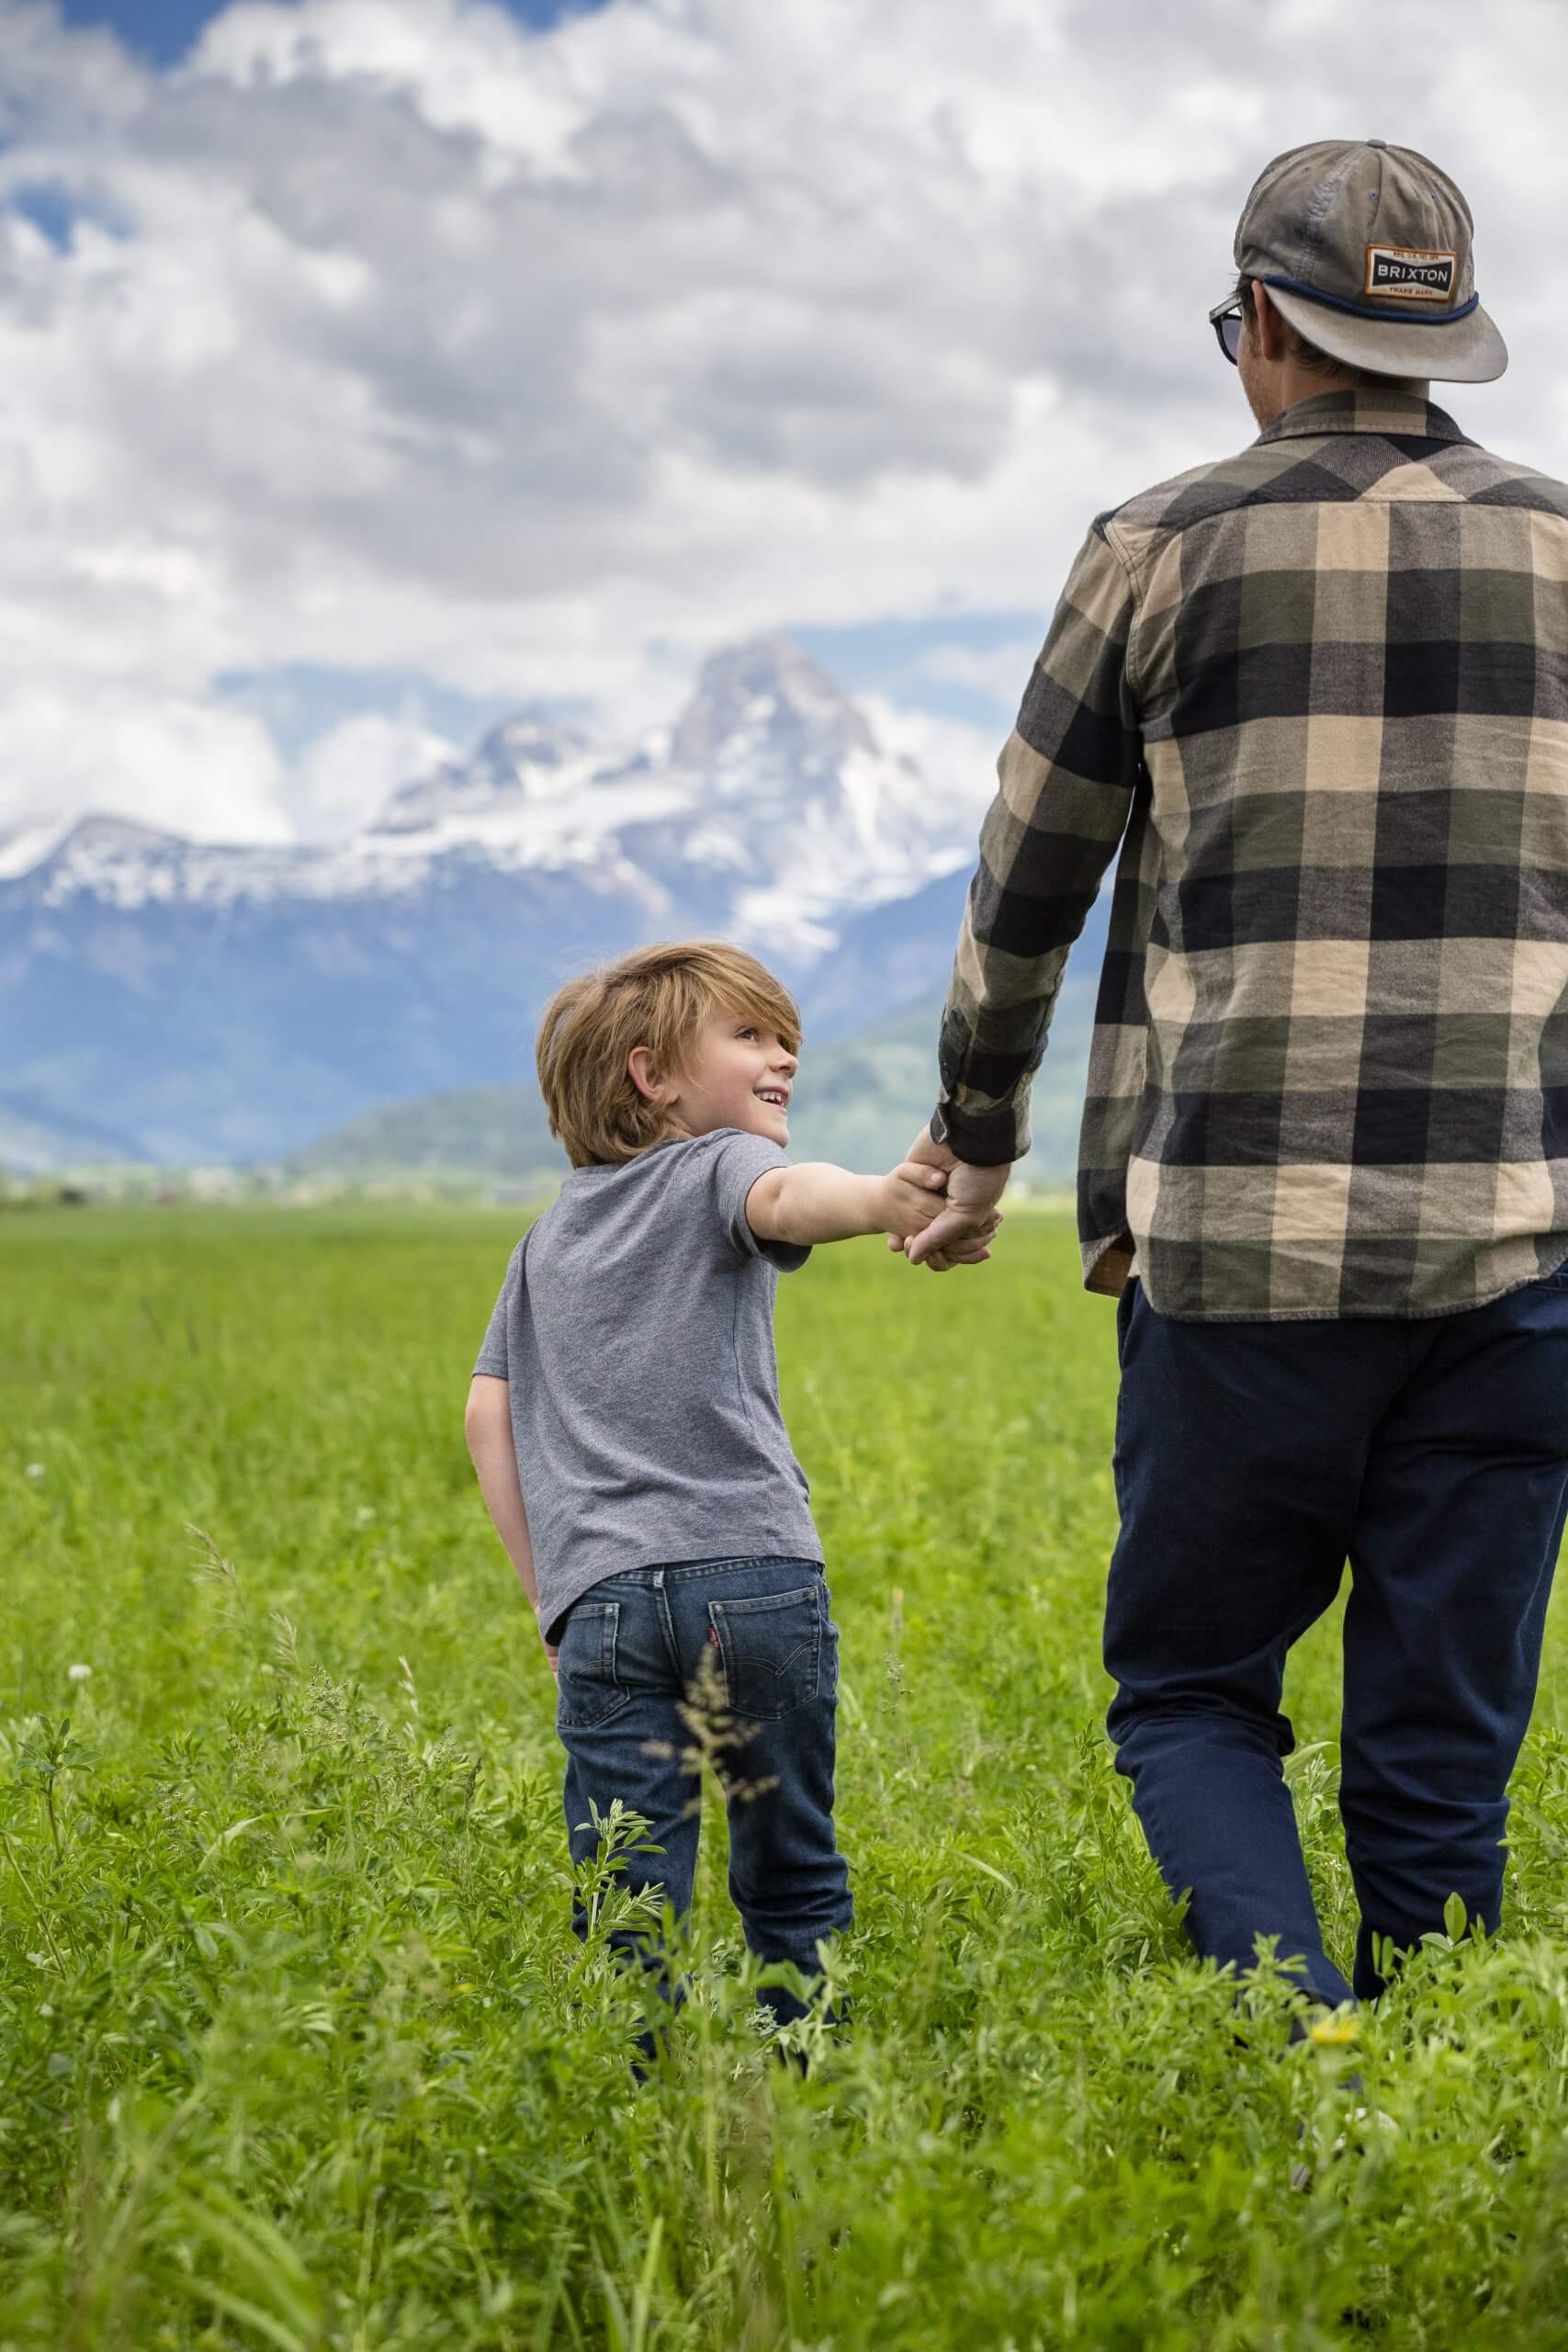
x=298 y=2050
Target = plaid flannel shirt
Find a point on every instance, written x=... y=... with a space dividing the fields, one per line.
x=1319 y=694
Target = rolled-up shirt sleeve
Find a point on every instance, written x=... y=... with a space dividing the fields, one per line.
x=1065 y=780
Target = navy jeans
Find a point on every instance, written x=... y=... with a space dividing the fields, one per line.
x=750 y=1647
x=1252 y=1459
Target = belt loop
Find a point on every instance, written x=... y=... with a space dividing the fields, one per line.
x=658 y=1579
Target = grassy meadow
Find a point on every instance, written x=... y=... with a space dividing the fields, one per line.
x=298 y=2049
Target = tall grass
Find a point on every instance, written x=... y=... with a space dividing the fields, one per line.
x=298 y=2050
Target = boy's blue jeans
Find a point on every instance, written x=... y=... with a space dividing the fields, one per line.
x=1252 y=1459
x=741 y=1658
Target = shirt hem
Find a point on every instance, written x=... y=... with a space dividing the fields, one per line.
x=1349 y=1314
x=747 y=1548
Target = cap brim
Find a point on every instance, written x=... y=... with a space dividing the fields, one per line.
x=1470 y=351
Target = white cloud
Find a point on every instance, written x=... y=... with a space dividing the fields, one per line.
x=349 y=772
x=395 y=337
x=959 y=758
x=192 y=767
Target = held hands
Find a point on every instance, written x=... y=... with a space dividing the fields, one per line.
x=915 y=1202
x=966 y=1219
x=971 y=1248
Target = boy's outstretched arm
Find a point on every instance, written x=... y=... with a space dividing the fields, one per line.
x=818 y=1202
x=487 y=1425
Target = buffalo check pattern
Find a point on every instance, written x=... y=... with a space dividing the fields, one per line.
x=1318 y=694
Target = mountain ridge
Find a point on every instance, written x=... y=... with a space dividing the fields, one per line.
x=213 y=1002
x=766 y=736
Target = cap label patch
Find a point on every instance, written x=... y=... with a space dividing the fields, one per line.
x=1412 y=273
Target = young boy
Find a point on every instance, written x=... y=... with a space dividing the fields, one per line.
x=623 y=1422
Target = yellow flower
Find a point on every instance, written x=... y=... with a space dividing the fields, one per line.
x=1333 y=2031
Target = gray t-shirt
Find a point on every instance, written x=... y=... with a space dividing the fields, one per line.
x=635 y=1331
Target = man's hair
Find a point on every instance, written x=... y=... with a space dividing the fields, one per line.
x=1320 y=363
x=658 y=996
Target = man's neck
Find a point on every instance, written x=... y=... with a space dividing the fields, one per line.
x=1291 y=384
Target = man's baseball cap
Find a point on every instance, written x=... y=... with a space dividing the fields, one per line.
x=1365 y=250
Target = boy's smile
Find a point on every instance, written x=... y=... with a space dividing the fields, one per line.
x=741 y=1075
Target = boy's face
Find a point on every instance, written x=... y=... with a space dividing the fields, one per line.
x=741 y=1075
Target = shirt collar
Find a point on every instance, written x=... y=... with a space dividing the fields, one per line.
x=1363 y=411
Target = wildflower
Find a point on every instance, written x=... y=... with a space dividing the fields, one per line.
x=78 y=1673
x=34 y=1470
x=1335 y=2032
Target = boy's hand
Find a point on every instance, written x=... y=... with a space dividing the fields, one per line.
x=908 y=1198
x=552 y=1654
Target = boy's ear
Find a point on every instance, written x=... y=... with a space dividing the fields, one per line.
x=643 y=1075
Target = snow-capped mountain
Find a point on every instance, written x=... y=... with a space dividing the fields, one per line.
x=219 y=1002
x=769 y=804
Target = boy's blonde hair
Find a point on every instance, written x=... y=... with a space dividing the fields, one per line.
x=658 y=996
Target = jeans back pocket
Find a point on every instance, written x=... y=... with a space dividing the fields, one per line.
x=588 y=1692
x=771 y=1649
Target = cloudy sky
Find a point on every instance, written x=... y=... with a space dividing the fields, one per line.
x=367 y=366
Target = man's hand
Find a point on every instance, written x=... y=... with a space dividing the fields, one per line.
x=958 y=1236
x=973 y=1252
x=552 y=1657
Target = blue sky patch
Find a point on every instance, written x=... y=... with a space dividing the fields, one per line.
x=55 y=207
x=300 y=700
x=165 y=30
x=903 y=659
x=49 y=207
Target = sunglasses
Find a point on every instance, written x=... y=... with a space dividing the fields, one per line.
x=1227 y=320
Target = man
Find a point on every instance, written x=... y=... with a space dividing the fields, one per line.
x=1319 y=693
